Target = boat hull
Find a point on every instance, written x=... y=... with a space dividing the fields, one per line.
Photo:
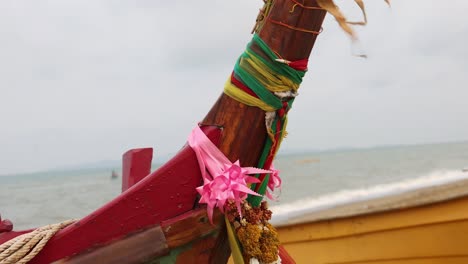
x=433 y=233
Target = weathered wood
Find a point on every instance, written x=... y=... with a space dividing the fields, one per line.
x=137 y=248
x=136 y=164
x=292 y=44
x=164 y=194
x=190 y=226
x=221 y=250
x=170 y=191
x=199 y=252
x=244 y=127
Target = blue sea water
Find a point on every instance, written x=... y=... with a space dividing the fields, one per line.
x=37 y=199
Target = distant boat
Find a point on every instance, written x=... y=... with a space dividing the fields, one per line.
x=114 y=175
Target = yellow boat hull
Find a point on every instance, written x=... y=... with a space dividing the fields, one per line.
x=435 y=233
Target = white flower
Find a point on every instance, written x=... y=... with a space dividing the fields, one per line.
x=254 y=261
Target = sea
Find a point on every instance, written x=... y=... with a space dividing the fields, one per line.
x=309 y=179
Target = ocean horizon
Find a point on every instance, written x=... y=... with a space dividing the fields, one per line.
x=160 y=159
x=316 y=178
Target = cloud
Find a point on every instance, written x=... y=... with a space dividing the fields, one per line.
x=85 y=80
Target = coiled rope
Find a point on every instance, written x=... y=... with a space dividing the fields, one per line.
x=23 y=248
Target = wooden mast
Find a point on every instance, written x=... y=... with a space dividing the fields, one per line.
x=243 y=126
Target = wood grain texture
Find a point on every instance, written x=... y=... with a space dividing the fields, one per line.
x=199 y=252
x=190 y=226
x=243 y=126
x=137 y=248
x=162 y=195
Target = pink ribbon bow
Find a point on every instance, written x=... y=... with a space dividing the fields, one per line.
x=222 y=179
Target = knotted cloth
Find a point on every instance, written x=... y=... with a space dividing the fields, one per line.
x=263 y=79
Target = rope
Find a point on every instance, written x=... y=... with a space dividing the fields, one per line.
x=264 y=12
x=23 y=248
x=294 y=28
x=296 y=3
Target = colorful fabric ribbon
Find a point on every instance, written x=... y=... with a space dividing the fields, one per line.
x=222 y=179
x=274 y=182
x=263 y=79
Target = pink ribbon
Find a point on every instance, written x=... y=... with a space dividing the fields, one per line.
x=222 y=179
x=273 y=182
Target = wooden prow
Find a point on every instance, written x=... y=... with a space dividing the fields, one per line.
x=243 y=126
x=166 y=198
x=162 y=195
x=158 y=241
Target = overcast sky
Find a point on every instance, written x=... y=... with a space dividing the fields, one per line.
x=86 y=80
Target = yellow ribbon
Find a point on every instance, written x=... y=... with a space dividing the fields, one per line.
x=236 y=252
x=237 y=94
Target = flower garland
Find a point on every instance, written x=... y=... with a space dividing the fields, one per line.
x=258 y=238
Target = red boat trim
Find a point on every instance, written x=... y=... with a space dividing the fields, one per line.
x=242 y=86
x=162 y=195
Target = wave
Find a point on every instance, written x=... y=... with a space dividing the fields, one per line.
x=313 y=204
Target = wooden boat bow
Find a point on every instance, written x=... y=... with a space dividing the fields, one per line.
x=164 y=199
x=244 y=126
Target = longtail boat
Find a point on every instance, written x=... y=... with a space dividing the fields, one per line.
x=159 y=217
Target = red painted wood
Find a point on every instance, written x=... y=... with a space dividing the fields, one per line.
x=285 y=257
x=4 y=237
x=157 y=241
x=141 y=247
x=170 y=191
x=5 y=225
x=136 y=164
x=164 y=194
x=6 y=233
